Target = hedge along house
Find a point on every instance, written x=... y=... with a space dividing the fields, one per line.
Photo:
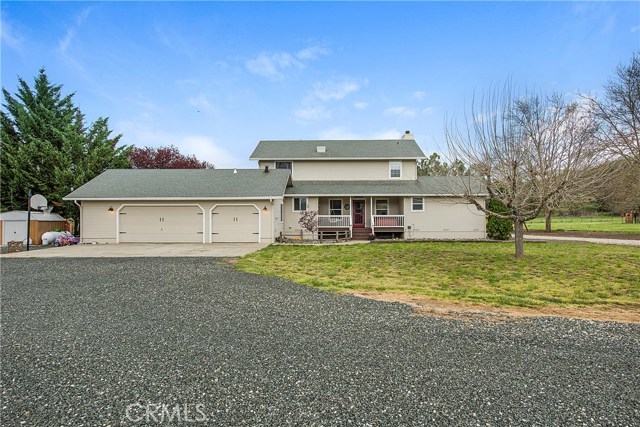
x=180 y=205
x=363 y=187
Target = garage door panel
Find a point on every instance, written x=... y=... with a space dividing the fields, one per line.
x=161 y=224
x=235 y=224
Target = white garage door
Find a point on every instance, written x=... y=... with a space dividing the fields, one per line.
x=161 y=224
x=235 y=224
x=14 y=230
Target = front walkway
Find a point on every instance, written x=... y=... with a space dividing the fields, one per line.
x=129 y=250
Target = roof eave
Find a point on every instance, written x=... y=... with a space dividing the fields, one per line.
x=156 y=199
x=284 y=158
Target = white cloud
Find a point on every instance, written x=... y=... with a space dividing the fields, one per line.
x=309 y=113
x=313 y=52
x=201 y=102
x=635 y=29
x=174 y=40
x=272 y=65
x=9 y=36
x=360 y=105
x=404 y=112
x=334 y=90
x=65 y=42
x=314 y=105
x=202 y=146
x=419 y=94
x=408 y=112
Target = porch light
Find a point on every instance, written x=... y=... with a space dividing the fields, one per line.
x=110 y=209
x=265 y=208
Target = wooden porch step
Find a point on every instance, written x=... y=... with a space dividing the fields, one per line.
x=360 y=233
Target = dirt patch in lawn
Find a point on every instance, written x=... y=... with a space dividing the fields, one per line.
x=590 y=234
x=467 y=311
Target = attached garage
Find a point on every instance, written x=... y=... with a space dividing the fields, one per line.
x=161 y=224
x=235 y=223
x=181 y=205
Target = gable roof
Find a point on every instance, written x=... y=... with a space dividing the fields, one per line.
x=384 y=149
x=185 y=184
x=423 y=186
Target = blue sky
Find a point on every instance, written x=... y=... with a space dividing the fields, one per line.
x=214 y=78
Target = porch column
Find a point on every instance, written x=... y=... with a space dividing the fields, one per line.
x=372 y=212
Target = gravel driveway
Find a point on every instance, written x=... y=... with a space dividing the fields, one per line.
x=88 y=341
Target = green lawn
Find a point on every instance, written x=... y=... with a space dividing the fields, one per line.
x=551 y=274
x=604 y=223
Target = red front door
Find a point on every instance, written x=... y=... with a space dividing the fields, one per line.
x=358 y=213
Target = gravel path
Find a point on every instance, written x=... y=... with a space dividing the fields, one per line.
x=584 y=239
x=84 y=338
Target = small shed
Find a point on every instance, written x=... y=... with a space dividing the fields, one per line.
x=13 y=225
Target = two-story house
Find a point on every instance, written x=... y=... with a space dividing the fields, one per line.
x=357 y=187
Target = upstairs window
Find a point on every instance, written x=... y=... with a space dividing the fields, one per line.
x=299 y=204
x=417 y=204
x=284 y=165
x=395 y=169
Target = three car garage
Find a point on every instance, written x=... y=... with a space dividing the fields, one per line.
x=181 y=206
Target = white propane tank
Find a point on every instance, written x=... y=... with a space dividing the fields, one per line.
x=49 y=238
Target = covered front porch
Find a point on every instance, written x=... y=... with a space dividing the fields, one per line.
x=360 y=216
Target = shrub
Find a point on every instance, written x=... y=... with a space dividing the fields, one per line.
x=498 y=228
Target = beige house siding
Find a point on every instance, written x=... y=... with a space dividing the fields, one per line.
x=99 y=225
x=290 y=226
x=444 y=218
x=339 y=170
x=279 y=214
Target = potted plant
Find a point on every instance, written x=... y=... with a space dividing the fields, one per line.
x=372 y=236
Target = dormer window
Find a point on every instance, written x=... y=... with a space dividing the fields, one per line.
x=395 y=169
x=284 y=165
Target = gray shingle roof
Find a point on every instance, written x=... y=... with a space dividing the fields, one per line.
x=343 y=149
x=451 y=185
x=423 y=186
x=183 y=184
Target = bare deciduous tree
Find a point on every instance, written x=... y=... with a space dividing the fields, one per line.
x=526 y=150
x=619 y=112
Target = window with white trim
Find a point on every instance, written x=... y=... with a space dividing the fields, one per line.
x=299 y=204
x=284 y=165
x=335 y=207
x=382 y=207
x=395 y=169
x=417 y=204
x=282 y=211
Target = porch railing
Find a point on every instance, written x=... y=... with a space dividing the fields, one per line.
x=382 y=221
x=331 y=221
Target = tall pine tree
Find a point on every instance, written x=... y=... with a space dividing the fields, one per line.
x=47 y=147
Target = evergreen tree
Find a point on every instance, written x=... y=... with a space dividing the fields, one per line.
x=47 y=148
